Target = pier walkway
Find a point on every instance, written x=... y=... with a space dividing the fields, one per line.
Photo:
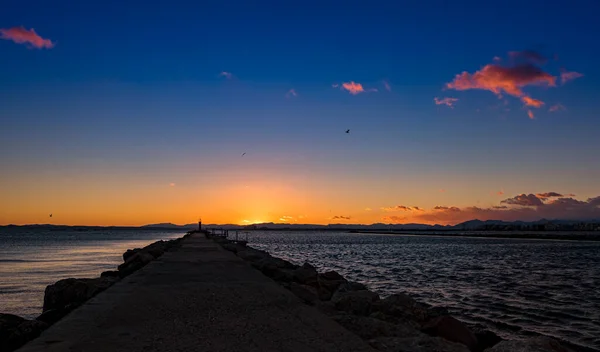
x=198 y=297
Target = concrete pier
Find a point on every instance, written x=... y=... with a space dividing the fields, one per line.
x=198 y=297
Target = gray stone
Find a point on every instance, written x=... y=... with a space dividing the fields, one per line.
x=16 y=331
x=331 y=280
x=306 y=293
x=405 y=307
x=420 y=343
x=536 y=344
x=355 y=302
x=74 y=291
x=485 y=338
x=134 y=263
x=451 y=329
x=306 y=274
x=129 y=253
x=370 y=328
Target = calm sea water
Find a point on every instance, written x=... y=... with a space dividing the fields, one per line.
x=514 y=287
x=32 y=259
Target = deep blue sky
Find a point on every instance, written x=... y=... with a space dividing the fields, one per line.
x=135 y=85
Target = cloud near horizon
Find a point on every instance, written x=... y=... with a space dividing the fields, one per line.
x=445 y=101
x=526 y=207
x=340 y=217
x=20 y=35
x=401 y=208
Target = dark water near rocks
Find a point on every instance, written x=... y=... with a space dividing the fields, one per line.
x=515 y=287
x=32 y=259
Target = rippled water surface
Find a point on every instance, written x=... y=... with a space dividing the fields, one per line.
x=514 y=286
x=32 y=259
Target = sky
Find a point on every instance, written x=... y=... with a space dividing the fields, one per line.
x=129 y=113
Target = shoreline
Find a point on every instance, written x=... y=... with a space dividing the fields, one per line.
x=381 y=322
x=518 y=235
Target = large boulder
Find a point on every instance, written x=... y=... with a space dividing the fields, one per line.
x=74 y=291
x=252 y=255
x=157 y=248
x=16 y=331
x=306 y=275
x=134 y=263
x=485 y=338
x=451 y=329
x=536 y=344
x=355 y=302
x=331 y=280
x=370 y=328
x=51 y=316
x=129 y=253
x=306 y=293
x=275 y=270
x=420 y=343
x=404 y=307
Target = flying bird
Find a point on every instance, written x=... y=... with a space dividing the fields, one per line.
x=243 y=154
x=347 y=131
x=50 y=215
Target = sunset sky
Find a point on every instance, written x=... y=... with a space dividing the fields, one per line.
x=128 y=114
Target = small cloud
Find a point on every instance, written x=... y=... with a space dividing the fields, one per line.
x=291 y=93
x=447 y=209
x=557 y=107
x=287 y=218
x=566 y=76
x=340 y=217
x=335 y=85
x=499 y=193
x=442 y=190
x=497 y=59
x=171 y=184
x=353 y=87
x=445 y=101
x=225 y=74
x=387 y=86
x=532 y=102
x=401 y=208
x=20 y=35
x=500 y=207
x=526 y=200
x=544 y=196
x=368 y=209
x=530 y=114
x=246 y=221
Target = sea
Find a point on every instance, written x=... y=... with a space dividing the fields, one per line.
x=514 y=287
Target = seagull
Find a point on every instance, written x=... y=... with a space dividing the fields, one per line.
x=347 y=131
x=243 y=154
x=50 y=215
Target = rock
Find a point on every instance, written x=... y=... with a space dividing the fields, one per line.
x=394 y=320
x=331 y=280
x=111 y=273
x=16 y=331
x=129 y=253
x=324 y=293
x=272 y=270
x=451 y=329
x=51 y=316
x=486 y=339
x=135 y=262
x=306 y=293
x=405 y=307
x=355 y=302
x=370 y=328
x=74 y=291
x=306 y=274
x=156 y=249
x=536 y=344
x=350 y=286
x=420 y=343
x=252 y=255
x=327 y=308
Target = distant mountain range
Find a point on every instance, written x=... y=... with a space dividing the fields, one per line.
x=471 y=225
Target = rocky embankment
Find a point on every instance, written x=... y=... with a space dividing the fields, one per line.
x=396 y=323
x=65 y=295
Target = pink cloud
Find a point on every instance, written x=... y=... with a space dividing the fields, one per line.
x=226 y=74
x=566 y=76
x=532 y=102
x=557 y=107
x=445 y=101
x=20 y=35
x=291 y=93
x=526 y=200
x=530 y=114
x=387 y=86
x=353 y=88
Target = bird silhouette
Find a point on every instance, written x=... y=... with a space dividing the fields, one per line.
x=243 y=154
x=50 y=215
x=347 y=131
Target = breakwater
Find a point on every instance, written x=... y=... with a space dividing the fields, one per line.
x=196 y=294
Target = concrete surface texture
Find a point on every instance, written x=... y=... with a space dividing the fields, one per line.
x=198 y=297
